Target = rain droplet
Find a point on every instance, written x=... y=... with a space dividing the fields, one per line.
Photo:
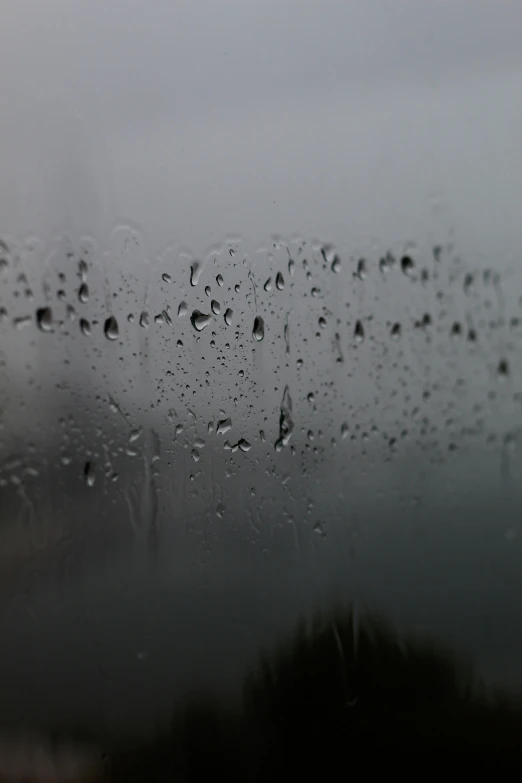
x=195 y=455
x=268 y=285
x=220 y=510
x=83 y=293
x=344 y=430
x=208 y=290
x=336 y=264
x=319 y=530
x=291 y=267
x=134 y=435
x=182 y=309
x=456 y=330
x=358 y=334
x=286 y=425
x=144 y=320
x=111 y=328
x=224 y=426
x=310 y=397
x=219 y=280
x=395 y=331
x=215 y=307
x=258 y=332
x=166 y=278
x=44 y=319
x=228 y=316
x=159 y=319
x=361 y=269
x=244 y=445
x=82 y=270
x=195 y=271
x=322 y=322
x=85 y=327
x=407 y=265
x=280 y=281
x=503 y=369
x=88 y=474
x=315 y=292
x=199 y=320
x=468 y=284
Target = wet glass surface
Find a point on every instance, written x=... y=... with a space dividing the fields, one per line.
x=261 y=385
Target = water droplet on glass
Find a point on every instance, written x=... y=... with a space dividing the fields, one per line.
x=144 y=320
x=88 y=474
x=318 y=529
x=182 y=309
x=83 y=293
x=280 y=281
x=111 y=328
x=44 y=319
x=336 y=264
x=159 y=318
x=315 y=292
x=228 y=316
x=85 y=327
x=322 y=322
x=503 y=369
x=82 y=270
x=358 y=334
x=208 y=290
x=407 y=265
x=291 y=267
x=220 y=510
x=195 y=272
x=195 y=455
x=199 y=320
x=361 y=269
x=456 y=330
x=166 y=278
x=268 y=285
x=22 y=320
x=468 y=284
x=258 y=332
x=134 y=435
x=219 y=280
x=224 y=425
x=344 y=430
x=395 y=331
x=299 y=364
x=310 y=397
x=286 y=425
x=215 y=307
x=244 y=445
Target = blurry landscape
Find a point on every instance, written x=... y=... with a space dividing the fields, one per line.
x=343 y=685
